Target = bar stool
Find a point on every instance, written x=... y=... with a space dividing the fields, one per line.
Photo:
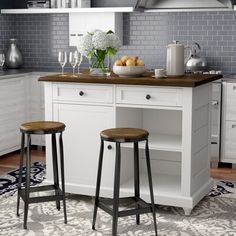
x=118 y=136
x=41 y=128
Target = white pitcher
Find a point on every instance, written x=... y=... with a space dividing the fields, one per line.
x=175 y=59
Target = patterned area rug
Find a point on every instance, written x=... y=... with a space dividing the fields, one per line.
x=8 y=183
x=223 y=188
x=213 y=216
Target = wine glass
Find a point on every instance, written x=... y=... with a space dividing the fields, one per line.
x=80 y=59
x=73 y=59
x=2 y=60
x=62 y=59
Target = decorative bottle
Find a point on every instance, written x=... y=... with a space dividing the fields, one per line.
x=13 y=56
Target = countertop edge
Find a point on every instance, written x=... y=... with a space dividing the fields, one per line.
x=147 y=81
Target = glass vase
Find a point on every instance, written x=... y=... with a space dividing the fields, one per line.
x=100 y=67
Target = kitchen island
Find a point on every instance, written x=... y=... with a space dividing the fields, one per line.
x=175 y=111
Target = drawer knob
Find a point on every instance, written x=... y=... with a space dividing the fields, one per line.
x=109 y=147
x=81 y=93
x=148 y=97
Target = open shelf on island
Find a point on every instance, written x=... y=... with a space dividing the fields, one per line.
x=164 y=186
x=162 y=142
x=164 y=127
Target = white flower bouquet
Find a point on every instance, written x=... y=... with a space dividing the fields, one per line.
x=98 y=46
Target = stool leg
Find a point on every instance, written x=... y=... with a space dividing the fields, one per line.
x=116 y=191
x=63 y=176
x=22 y=153
x=99 y=174
x=55 y=168
x=136 y=178
x=151 y=186
x=27 y=184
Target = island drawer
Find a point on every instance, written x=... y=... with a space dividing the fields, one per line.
x=149 y=96
x=83 y=93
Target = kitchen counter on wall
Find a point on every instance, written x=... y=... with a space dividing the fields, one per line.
x=5 y=74
x=13 y=73
x=187 y=80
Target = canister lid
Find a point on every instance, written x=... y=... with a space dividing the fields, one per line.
x=175 y=44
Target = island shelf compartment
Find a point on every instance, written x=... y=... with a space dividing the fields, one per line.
x=166 y=174
x=165 y=143
x=164 y=126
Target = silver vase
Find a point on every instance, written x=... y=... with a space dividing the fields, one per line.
x=13 y=56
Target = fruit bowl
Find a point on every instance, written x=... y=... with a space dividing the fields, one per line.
x=129 y=71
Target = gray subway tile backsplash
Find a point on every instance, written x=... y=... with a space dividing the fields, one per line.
x=40 y=37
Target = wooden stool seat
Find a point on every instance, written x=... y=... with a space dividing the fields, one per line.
x=42 y=127
x=122 y=135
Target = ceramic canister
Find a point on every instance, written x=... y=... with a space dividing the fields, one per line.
x=175 y=59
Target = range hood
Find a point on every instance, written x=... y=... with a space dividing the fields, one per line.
x=185 y=5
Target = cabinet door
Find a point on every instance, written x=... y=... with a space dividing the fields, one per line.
x=13 y=102
x=229 y=91
x=81 y=145
x=229 y=142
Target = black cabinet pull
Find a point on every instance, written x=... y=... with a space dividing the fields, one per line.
x=109 y=147
x=81 y=93
x=148 y=97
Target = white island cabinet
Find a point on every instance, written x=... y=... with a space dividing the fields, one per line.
x=177 y=118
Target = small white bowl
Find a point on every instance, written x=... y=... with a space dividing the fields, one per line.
x=129 y=71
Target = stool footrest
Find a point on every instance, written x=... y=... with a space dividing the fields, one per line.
x=59 y=196
x=142 y=206
x=43 y=188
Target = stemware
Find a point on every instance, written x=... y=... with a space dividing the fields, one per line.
x=62 y=59
x=73 y=59
x=80 y=59
x=2 y=60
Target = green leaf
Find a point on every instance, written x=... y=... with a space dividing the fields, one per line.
x=111 y=51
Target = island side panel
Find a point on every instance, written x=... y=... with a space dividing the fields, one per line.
x=48 y=98
x=201 y=182
x=195 y=180
x=187 y=129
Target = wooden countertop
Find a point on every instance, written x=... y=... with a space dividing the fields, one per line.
x=187 y=80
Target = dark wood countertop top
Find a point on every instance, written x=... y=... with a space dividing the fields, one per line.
x=187 y=80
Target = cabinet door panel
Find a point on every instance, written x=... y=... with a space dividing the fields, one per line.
x=230 y=110
x=230 y=140
x=12 y=113
x=82 y=142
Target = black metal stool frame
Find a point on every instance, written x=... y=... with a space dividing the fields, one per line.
x=24 y=193
x=142 y=206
